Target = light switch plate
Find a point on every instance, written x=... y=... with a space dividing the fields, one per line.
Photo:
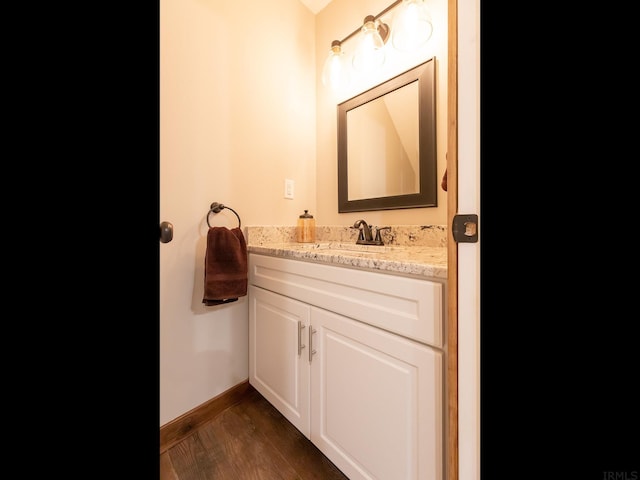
x=288 y=188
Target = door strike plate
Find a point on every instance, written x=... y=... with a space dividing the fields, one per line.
x=465 y=228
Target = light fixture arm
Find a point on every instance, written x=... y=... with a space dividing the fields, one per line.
x=357 y=30
x=411 y=27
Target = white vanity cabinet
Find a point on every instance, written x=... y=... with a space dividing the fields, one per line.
x=278 y=363
x=355 y=360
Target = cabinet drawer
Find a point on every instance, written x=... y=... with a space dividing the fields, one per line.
x=410 y=307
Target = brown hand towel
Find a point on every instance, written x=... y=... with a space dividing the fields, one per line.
x=225 y=266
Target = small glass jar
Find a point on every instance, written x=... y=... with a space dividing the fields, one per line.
x=306 y=228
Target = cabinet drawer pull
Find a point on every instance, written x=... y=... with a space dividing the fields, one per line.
x=311 y=350
x=300 y=345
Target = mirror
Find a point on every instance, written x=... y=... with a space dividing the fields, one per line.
x=387 y=144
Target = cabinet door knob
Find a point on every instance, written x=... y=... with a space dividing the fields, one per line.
x=166 y=232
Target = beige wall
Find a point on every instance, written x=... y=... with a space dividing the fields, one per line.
x=242 y=108
x=237 y=117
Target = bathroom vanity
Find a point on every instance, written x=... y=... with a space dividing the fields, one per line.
x=349 y=345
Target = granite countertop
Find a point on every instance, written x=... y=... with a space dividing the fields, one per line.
x=414 y=260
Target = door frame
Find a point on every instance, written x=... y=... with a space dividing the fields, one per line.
x=452 y=246
x=463 y=261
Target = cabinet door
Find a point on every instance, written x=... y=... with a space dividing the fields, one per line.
x=377 y=401
x=278 y=354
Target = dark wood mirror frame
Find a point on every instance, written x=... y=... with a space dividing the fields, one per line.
x=427 y=196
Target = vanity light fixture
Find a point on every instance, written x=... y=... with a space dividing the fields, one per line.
x=411 y=28
x=335 y=72
x=370 y=52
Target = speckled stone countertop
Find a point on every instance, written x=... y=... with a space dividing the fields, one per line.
x=409 y=250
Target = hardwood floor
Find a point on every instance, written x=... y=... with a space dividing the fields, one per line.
x=250 y=440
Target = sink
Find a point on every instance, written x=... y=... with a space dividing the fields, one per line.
x=348 y=251
x=352 y=249
x=344 y=249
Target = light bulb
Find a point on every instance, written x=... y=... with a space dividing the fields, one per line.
x=335 y=72
x=370 y=53
x=412 y=26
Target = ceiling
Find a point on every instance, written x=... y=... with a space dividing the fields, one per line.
x=315 y=5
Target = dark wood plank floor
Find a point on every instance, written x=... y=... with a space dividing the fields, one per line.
x=250 y=440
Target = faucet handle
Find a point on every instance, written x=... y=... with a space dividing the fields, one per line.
x=378 y=238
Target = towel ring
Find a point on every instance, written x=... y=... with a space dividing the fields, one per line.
x=217 y=208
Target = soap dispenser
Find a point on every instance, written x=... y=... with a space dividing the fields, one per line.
x=306 y=228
